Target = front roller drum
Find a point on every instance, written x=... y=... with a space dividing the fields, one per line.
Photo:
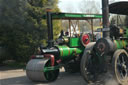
x=120 y=66
x=35 y=70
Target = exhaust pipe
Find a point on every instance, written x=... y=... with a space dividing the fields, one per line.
x=50 y=29
x=105 y=14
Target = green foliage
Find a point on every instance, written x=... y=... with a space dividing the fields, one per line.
x=22 y=28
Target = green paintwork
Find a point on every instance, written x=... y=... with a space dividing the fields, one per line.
x=76 y=15
x=120 y=44
x=79 y=16
x=74 y=42
x=68 y=53
x=51 y=68
x=126 y=35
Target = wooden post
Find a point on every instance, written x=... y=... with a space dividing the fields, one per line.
x=70 y=27
x=92 y=29
x=78 y=26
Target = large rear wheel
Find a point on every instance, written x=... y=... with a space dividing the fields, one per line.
x=120 y=66
x=93 y=66
x=86 y=65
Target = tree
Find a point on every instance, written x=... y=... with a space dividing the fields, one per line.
x=126 y=21
x=89 y=7
x=22 y=28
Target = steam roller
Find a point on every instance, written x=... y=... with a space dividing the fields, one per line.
x=65 y=52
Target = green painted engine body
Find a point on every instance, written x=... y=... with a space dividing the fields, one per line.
x=68 y=53
x=122 y=43
x=71 y=49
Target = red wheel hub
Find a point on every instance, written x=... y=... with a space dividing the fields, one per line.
x=85 y=39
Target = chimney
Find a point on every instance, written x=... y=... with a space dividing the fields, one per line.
x=50 y=28
x=105 y=13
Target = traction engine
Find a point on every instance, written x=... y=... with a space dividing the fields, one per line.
x=109 y=54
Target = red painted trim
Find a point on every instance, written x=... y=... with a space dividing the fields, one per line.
x=52 y=58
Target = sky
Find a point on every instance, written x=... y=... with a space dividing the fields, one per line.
x=75 y=5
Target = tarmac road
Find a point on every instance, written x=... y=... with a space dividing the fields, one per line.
x=10 y=76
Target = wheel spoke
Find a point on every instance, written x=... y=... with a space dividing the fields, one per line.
x=122 y=66
x=126 y=73
x=123 y=61
x=122 y=76
x=118 y=63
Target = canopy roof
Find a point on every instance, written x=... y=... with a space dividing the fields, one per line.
x=75 y=16
x=119 y=8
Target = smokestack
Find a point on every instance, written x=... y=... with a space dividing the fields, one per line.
x=50 y=29
x=105 y=13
